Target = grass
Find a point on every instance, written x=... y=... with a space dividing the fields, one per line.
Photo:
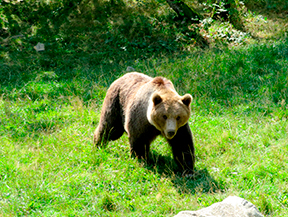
x=50 y=104
x=239 y=120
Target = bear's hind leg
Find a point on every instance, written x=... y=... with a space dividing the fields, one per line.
x=110 y=125
x=116 y=131
x=107 y=132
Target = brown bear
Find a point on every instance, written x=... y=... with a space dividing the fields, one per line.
x=146 y=107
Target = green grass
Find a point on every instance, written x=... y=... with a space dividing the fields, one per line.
x=49 y=167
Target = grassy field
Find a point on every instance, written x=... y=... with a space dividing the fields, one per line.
x=50 y=104
x=239 y=119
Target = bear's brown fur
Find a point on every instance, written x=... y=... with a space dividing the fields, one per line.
x=146 y=107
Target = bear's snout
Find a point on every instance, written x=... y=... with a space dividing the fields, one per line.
x=171 y=126
x=170 y=133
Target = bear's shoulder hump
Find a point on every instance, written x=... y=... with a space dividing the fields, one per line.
x=160 y=81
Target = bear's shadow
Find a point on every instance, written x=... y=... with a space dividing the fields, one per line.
x=201 y=180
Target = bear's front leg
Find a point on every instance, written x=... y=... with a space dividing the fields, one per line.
x=139 y=147
x=141 y=133
x=183 y=148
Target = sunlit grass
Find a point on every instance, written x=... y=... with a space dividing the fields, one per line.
x=267 y=26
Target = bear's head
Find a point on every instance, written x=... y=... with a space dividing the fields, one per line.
x=168 y=111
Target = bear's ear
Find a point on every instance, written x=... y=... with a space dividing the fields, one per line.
x=187 y=99
x=156 y=99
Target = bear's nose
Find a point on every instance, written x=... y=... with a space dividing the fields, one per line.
x=171 y=133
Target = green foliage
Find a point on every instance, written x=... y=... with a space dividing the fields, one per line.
x=270 y=5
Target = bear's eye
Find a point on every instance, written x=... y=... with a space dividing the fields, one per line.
x=178 y=118
x=165 y=117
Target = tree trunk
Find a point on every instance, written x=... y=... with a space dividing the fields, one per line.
x=184 y=11
x=230 y=14
x=234 y=17
x=187 y=14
